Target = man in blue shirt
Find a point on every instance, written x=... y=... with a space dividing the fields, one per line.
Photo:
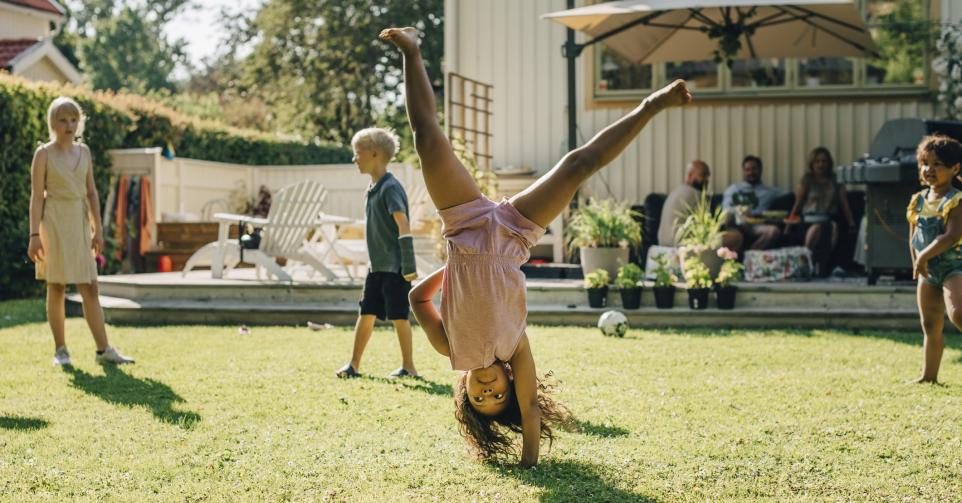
x=757 y=197
x=391 y=250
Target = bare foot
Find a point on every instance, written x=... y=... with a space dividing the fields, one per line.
x=405 y=39
x=922 y=380
x=672 y=95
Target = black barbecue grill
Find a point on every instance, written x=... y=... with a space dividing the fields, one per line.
x=891 y=175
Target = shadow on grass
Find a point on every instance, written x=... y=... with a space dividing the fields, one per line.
x=416 y=384
x=566 y=481
x=116 y=386
x=600 y=430
x=22 y=423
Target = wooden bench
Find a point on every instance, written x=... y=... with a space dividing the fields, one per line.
x=179 y=240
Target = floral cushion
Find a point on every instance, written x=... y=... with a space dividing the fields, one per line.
x=793 y=262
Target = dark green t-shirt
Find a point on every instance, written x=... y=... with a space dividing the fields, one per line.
x=383 y=199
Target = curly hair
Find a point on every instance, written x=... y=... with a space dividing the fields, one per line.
x=489 y=437
x=947 y=149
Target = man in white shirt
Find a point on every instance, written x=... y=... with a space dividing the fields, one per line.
x=679 y=203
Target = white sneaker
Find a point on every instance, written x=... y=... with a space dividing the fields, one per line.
x=110 y=355
x=61 y=356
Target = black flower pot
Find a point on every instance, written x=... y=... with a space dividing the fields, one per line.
x=597 y=297
x=698 y=298
x=725 y=295
x=631 y=297
x=664 y=296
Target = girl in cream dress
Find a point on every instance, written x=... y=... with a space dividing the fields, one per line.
x=65 y=229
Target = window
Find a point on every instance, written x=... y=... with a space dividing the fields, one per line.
x=616 y=73
x=902 y=29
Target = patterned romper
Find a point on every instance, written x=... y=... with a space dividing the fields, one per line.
x=929 y=219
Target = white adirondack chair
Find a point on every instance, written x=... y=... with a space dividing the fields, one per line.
x=294 y=214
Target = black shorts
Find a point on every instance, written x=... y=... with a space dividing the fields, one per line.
x=385 y=295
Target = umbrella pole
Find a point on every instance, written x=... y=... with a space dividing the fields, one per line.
x=571 y=51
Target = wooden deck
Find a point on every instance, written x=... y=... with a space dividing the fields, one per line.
x=170 y=298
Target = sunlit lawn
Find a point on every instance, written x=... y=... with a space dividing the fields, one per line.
x=207 y=414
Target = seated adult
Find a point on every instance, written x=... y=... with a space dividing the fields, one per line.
x=680 y=202
x=819 y=198
x=750 y=196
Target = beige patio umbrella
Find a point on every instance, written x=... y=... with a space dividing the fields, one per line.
x=664 y=31
x=659 y=31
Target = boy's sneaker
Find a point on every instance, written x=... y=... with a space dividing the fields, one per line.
x=110 y=355
x=61 y=356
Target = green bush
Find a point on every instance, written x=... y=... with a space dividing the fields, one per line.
x=113 y=121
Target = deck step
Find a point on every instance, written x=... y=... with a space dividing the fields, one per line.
x=163 y=312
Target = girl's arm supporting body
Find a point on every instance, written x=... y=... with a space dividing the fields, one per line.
x=526 y=392
x=427 y=315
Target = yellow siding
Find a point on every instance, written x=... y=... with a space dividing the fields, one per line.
x=505 y=43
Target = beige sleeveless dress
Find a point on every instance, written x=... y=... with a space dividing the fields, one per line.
x=65 y=231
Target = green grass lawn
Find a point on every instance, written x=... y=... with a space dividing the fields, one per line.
x=207 y=414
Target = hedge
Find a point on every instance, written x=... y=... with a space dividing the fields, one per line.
x=113 y=121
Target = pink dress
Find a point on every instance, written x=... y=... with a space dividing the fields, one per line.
x=483 y=305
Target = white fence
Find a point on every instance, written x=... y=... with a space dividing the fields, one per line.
x=189 y=186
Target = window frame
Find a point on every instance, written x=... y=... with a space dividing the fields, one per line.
x=792 y=88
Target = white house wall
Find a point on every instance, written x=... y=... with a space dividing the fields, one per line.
x=507 y=44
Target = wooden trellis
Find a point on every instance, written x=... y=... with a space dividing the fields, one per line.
x=468 y=115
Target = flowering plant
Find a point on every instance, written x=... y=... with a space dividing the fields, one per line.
x=948 y=67
x=663 y=274
x=597 y=279
x=697 y=274
x=629 y=276
x=731 y=270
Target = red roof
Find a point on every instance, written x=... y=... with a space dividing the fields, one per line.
x=11 y=48
x=43 y=5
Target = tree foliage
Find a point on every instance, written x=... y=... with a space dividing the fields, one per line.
x=321 y=67
x=121 y=44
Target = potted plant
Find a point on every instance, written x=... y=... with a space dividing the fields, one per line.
x=698 y=280
x=701 y=232
x=629 y=283
x=596 y=284
x=664 y=283
x=731 y=271
x=602 y=231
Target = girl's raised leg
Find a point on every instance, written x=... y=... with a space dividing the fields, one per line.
x=932 y=311
x=447 y=181
x=546 y=198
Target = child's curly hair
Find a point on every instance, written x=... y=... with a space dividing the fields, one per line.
x=946 y=148
x=489 y=436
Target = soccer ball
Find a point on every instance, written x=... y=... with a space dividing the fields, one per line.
x=613 y=324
